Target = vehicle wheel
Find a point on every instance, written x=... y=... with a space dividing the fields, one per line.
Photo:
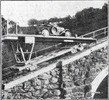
x=67 y=34
x=54 y=30
x=45 y=32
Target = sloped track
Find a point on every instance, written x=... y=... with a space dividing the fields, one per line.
x=53 y=65
x=49 y=67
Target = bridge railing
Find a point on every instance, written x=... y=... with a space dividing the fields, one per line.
x=100 y=33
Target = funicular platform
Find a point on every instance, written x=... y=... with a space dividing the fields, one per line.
x=19 y=40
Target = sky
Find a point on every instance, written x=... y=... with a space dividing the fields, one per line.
x=22 y=11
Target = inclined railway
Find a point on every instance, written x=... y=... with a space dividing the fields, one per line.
x=42 y=61
x=66 y=50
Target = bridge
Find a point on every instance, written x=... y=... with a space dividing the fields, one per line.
x=96 y=40
x=100 y=84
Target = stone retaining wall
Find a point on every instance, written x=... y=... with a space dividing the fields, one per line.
x=64 y=82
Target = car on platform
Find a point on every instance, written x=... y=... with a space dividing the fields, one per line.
x=54 y=30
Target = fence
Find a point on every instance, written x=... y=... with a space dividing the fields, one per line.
x=98 y=34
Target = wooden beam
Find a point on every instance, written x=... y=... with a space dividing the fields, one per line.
x=22 y=53
x=31 y=52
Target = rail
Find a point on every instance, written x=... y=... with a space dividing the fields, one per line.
x=65 y=61
x=95 y=34
x=52 y=66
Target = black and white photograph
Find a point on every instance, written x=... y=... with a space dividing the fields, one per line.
x=54 y=49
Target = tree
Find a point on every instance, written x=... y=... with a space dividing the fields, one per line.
x=12 y=27
x=4 y=26
x=32 y=22
x=105 y=11
x=55 y=19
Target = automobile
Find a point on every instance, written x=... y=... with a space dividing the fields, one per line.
x=54 y=30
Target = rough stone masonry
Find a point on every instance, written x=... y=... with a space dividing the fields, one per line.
x=64 y=82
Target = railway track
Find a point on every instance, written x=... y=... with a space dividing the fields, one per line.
x=15 y=74
x=47 y=67
x=64 y=52
x=14 y=71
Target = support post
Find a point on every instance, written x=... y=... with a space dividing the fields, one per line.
x=22 y=53
x=105 y=31
x=7 y=26
x=61 y=87
x=31 y=51
x=16 y=27
x=93 y=34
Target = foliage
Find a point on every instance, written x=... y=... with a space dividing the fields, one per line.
x=4 y=26
x=29 y=30
x=32 y=22
x=87 y=20
x=84 y=21
x=11 y=26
